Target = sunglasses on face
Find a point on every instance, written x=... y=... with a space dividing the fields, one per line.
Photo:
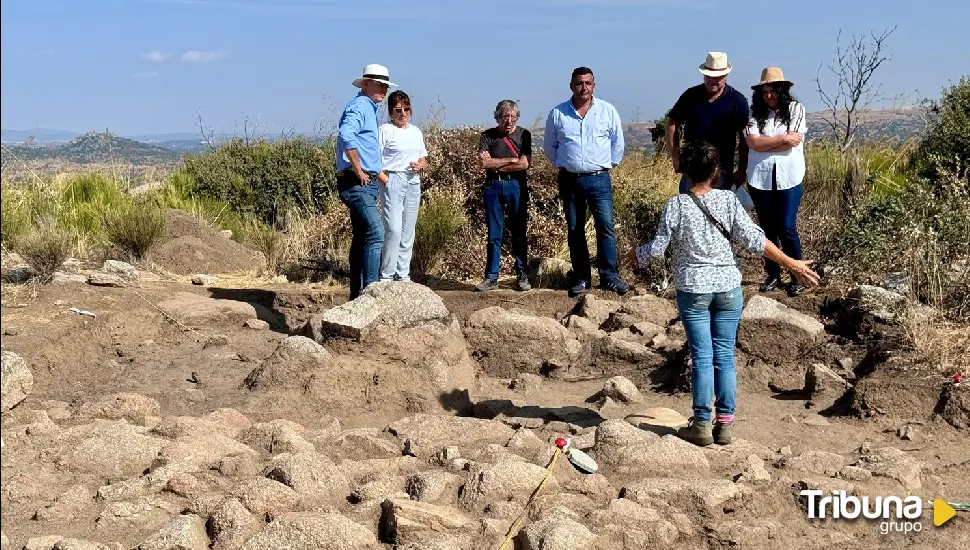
x=401 y=110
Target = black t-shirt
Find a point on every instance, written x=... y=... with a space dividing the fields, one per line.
x=493 y=142
x=717 y=122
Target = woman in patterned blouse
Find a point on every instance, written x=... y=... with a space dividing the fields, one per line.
x=702 y=225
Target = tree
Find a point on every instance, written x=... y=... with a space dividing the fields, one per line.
x=849 y=99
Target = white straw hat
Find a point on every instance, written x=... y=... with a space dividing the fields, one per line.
x=716 y=64
x=375 y=72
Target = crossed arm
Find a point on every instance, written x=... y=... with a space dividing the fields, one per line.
x=505 y=164
x=774 y=144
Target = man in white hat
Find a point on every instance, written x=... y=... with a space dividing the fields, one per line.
x=713 y=112
x=358 y=165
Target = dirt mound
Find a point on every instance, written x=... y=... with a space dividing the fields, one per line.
x=191 y=246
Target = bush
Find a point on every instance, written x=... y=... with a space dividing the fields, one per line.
x=945 y=150
x=45 y=248
x=133 y=228
x=266 y=180
x=181 y=193
x=924 y=228
x=441 y=219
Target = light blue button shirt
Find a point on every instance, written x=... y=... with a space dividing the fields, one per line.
x=358 y=130
x=584 y=144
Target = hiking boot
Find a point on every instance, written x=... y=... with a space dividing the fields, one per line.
x=578 y=288
x=771 y=283
x=722 y=432
x=523 y=282
x=486 y=285
x=697 y=433
x=617 y=286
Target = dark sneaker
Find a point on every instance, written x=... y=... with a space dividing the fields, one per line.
x=722 y=432
x=616 y=286
x=523 y=282
x=795 y=288
x=697 y=433
x=578 y=288
x=771 y=283
x=486 y=285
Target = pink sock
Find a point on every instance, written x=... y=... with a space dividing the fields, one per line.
x=724 y=418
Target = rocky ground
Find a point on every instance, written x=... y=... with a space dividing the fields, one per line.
x=141 y=411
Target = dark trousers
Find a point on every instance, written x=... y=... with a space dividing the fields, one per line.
x=368 y=230
x=508 y=197
x=778 y=213
x=594 y=191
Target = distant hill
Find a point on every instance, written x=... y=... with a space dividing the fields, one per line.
x=885 y=125
x=93 y=147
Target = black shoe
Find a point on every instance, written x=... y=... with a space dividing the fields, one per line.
x=578 y=288
x=523 y=282
x=795 y=288
x=771 y=283
x=486 y=285
x=617 y=286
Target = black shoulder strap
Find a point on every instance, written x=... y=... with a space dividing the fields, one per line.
x=720 y=227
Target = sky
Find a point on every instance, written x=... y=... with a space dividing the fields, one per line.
x=157 y=66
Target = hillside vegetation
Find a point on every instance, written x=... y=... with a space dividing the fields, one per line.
x=908 y=210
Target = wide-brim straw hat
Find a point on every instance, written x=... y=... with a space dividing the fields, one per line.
x=716 y=64
x=375 y=72
x=772 y=75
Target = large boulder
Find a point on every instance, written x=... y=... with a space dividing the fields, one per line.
x=775 y=332
x=319 y=530
x=393 y=304
x=878 y=303
x=294 y=362
x=509 y=342
x=17 y=380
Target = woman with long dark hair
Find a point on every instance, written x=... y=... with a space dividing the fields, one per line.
x=776 y=168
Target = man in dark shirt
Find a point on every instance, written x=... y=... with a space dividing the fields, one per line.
x=505 y=152
x=716 y=113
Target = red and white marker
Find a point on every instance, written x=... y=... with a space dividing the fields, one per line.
x=580 y=460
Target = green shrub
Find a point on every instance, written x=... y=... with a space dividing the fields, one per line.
x=265 y=179
x=946 y=148
x=924 y=228
x=44 y=248
x=134 y=227
x=15 y=217
x=441 y=219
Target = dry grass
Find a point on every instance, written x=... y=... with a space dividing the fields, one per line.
x=938 y=342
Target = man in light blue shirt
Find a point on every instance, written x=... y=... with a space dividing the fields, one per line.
x=358 y=164
x=584 y=140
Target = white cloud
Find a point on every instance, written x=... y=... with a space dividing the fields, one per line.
x=201 y=56
x=156 y=56
x=145 y=75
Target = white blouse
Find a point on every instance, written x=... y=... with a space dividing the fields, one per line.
x=790 y=164
x=400 y=147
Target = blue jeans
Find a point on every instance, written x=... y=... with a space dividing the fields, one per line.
x=400 y=200
x=777 y=213
x=506 y=197
x=596 y=192
x=711 y=324
x=725 y=182
x=368 y=231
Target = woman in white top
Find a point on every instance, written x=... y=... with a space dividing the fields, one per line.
x=776 y=168
x=404 y=156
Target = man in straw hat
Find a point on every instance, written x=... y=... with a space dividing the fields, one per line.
x=358 y=164
x=713 y=112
